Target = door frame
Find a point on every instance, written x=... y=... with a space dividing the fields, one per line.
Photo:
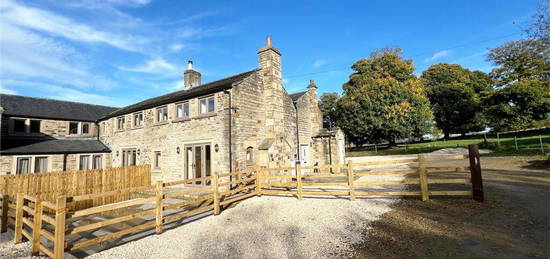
x=203 y=161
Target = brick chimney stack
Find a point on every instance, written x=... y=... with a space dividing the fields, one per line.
x=191 y=78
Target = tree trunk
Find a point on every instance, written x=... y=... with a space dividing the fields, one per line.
x=446 y=135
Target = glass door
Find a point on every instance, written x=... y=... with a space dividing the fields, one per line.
x=198 y=162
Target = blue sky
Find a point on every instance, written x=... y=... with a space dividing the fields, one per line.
x=117 y=52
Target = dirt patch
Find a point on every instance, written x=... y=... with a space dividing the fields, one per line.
x=513 y=222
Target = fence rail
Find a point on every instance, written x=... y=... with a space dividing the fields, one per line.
x=48 y=186
x=171 y=202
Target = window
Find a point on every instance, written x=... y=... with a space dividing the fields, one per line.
x=162 y=114
x=129 y=157
x=138 y=119
x=156 y=163
x=249 y=155
x=84 y=162
x=120 y=123
x=96 y=162
x=40 y=164
x=206 y=105
x=19 y=125
x=73 y=128
x=85 y=128
x=23 y=165
x=182 y=110
x=35 y=126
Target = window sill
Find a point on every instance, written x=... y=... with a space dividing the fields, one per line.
x=119 y=130
x=181 y=119
x=160 y=123
x=137 y=127
x=206 y=115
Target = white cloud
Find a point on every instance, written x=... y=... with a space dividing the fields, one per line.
x=438 y=55
x=27 y=55
x=4 y=90
x=176 y=47
x=40 y=20
x=318 y=63
x=156 y=65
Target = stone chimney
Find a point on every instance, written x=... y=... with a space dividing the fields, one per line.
x=191 y=78
x=270 y=62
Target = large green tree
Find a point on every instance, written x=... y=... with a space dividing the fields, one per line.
x=383 y=100
x=454 y=93
x=327 y=105
x=522 y=97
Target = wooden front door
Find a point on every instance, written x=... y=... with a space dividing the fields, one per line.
x=198 y=162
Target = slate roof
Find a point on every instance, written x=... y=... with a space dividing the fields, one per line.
x=200 y=90
x=325 y=133
x=296 y=96
x=266 y=144
x=29 y=146
x=15 y=105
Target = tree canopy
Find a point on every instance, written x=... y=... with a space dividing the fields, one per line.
x=454 y=93
x=327 y=105
x=383 y=100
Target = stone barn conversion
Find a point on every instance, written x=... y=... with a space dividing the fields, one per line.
x=243 y=120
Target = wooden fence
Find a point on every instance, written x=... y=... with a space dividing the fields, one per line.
x=48 y=186
x=172 y=202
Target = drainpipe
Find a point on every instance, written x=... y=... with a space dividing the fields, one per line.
x=329 y=153
x=297 y=133
x=65 y=162
x=229 y=135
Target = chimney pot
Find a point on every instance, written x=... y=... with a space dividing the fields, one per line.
x=190 y=65
x=268 y=41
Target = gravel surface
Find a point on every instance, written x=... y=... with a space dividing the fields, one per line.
x=10 y=250
x=268 y=226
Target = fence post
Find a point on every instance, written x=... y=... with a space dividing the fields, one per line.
x=37 y=227
x=216 y=193
x=298 y=180
x=259 y=174
x=18 y=219
x=159 y=204
x=475 y=170
x=5 y=208
x=541 y=146
x=423 y=177
x=59 y=234
x=351 y=179
x=516 y=142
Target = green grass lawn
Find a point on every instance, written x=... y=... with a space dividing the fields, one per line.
x=526 y=146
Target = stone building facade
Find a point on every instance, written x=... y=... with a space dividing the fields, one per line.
x=244 y=120
x=43 y=135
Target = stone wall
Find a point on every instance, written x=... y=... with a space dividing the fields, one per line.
x=55 y=162
x=167 y=137
x=52 y=128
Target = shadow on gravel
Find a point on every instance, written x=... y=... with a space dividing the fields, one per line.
x=512 y=222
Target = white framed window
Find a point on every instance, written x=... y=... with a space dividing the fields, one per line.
x=23 y=165
x=162 y=114
x=40 y=164
x=207 y=105
x=85 y=128
x=138 y=119
x=156 y=162
x=249 y=155
x=73 y=128
x=120 y=123
x=97 y=161
x=129 y=157
x=84 y=162
x=182 y=110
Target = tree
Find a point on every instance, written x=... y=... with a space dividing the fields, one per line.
x=518 y=105
x=522 y=98
x=327 y=105
x=540 y=28
x=454 y=93
x=519 y=60
x=383 y=100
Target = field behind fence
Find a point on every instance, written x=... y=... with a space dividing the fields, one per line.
x=54 y=227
